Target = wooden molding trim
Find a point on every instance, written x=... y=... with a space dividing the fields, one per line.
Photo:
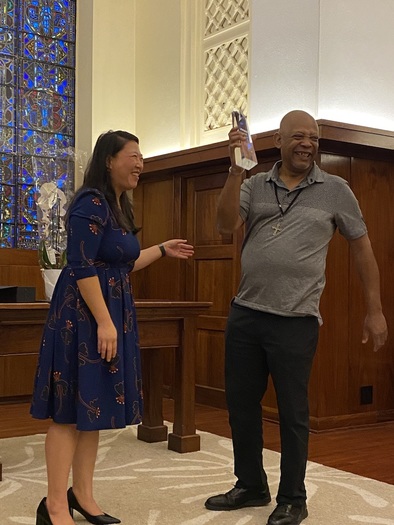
x=332 y=135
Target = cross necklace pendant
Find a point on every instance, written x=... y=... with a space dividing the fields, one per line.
x=278 y=228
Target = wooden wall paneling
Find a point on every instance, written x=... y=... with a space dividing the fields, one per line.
x=213 y=274
x=138 y=279
x=156 y=209
x=16 y=375
x=205 y=203
x=212 y=283
x=20 y=335
x=157 y=205
x=210 y=364
x=137 y=198
x=210 y=361
x=343 y=137
x=20 y=268
x=263 y=166
x=362 y=372
x=373 y=183
x=329 y=378
x=11 y=335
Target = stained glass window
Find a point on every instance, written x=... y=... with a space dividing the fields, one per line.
x=37 y=101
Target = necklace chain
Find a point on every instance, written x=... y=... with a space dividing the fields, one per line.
x=277 y=229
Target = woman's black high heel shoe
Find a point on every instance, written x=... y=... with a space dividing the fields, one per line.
x=43 y=517
x=101 y=519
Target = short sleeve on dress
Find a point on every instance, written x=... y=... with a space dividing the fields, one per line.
x=88 y=217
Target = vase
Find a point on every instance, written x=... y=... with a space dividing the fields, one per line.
x=50 y=276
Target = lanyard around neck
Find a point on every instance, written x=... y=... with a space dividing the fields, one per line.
x=282 y=211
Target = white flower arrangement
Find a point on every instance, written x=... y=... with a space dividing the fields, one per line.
x=54 y=189
x=51 y=211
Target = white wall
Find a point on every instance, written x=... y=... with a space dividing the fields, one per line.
x=113 y=66
x=356 y=62
x=105 y=75
x=158 y=58
x=284 y=62
x=332 y=58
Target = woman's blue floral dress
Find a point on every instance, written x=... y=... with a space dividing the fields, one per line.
x=73 y=384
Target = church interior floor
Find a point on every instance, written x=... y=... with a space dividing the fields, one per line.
x=366 y=451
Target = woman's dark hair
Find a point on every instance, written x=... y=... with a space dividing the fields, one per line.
x=97 y=176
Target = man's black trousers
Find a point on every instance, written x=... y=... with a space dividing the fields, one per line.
x=260 y=344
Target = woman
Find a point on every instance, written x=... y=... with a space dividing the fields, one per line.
x=88 y=376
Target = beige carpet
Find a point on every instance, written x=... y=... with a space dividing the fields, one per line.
x=146 y=484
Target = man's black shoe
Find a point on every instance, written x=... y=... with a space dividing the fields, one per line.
x=238 y=498
x=288 y=515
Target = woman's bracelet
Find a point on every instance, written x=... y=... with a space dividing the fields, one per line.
x=162 y=249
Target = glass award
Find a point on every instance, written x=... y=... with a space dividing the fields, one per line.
x=245 y=155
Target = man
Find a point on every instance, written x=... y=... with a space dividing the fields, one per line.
x=290 y=214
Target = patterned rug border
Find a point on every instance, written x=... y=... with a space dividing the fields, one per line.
x=147 y=484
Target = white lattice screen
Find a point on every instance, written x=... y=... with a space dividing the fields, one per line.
x=221 y=14
x=226 y=58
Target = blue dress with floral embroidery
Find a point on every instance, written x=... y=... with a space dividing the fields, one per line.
x=73 y=385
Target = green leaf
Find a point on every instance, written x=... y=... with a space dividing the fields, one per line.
x=43 y=256
x=63 y=259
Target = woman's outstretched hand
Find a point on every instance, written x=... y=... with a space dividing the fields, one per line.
x=178 y=248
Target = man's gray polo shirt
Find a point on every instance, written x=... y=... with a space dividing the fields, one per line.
x=284 y=273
